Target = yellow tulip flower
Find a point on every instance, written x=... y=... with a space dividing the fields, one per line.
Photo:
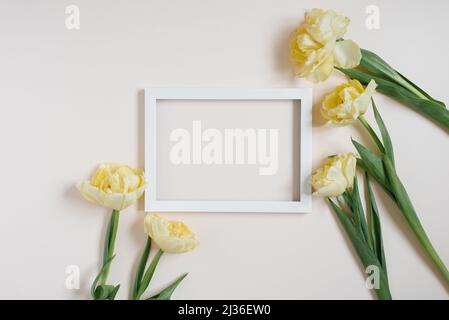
x=347 y=103
x=170 y=236
x=114 y=186
x=335 y=176
x=315 y=49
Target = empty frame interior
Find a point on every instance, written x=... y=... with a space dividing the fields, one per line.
x=235 y=180
x=228 y=150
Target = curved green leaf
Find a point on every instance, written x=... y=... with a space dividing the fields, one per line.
x=141 y=267
x=422 y=91
x=358 y=212
x=113 y=292
x=388 y=146
x=106 y=292
x=372 y=133
x=375 y=226
x=167 y=292
x=373 y=164
x=376 y=66
x=363 y=250
x=429 y=108
x=149 y=274
x=100 y=274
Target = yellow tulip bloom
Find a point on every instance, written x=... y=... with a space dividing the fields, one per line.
x=315 y=49
x=335 y=176
x=114 y=186
x=347 y=103
x=170 y=236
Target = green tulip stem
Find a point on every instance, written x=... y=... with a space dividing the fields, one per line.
x=405 y=205
x=111 y=234
x=428 y=247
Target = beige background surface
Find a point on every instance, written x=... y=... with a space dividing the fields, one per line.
x=70 y=99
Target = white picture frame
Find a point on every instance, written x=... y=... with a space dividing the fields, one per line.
x=304 y=95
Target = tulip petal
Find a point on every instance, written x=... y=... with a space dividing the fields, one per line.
x=362 y=101
x=318 y=67
x=91 y=193
x=347 y=54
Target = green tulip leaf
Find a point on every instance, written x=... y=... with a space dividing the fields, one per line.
x=430 y=108
x=102 y=292
x=141 y=267
x=375 y=227
x=347 y=197
x=149 y=274
x=441 y=103
x=106 y=292
x=363 y=250
x=376 y=66
x=373 y=164
x=167 y=292
x=373 y=134
x=388 y=146
x=358 y=212
x=100 y=275
x=113 y=292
